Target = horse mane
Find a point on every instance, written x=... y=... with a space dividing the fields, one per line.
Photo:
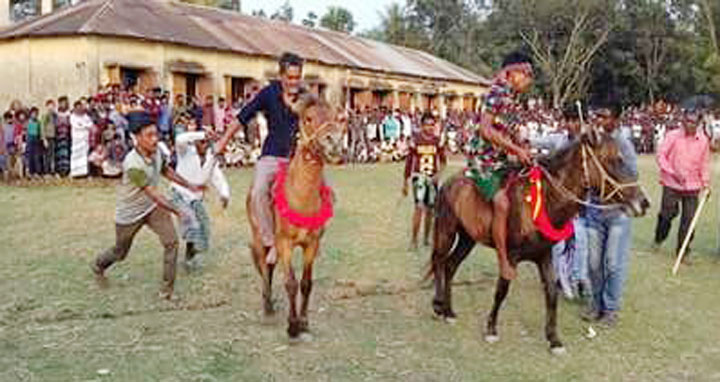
x=560 y=157
x=305 y=101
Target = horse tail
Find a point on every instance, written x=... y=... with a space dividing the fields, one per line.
x=443 y=230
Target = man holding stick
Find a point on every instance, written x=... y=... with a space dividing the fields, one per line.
x=684 y=161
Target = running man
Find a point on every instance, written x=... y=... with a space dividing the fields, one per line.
x=141 y=203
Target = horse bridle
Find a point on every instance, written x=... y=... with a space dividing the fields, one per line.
x=605 y=178
x=307 y=140
x=617 y=187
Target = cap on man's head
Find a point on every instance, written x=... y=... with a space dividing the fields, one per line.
x=137 y=120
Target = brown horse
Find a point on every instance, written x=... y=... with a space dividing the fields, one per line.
x=322 y=131
x=464 y=217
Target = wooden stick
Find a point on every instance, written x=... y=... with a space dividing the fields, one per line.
x=690 y=231
x=716 y=171
x=578 y=104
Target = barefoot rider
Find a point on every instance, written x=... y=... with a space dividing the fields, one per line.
x=498 y=133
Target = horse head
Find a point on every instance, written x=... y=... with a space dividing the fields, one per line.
x=322 y=128
x=607 y=168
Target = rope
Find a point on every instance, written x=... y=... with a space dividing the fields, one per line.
x=604 y=176
x=572 y=197
x=306 y=140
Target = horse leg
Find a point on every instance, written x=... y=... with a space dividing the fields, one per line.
x=268 y=304
x=501 y=291
x=547 y=276
x=284 y=251
x=258 y=253
x=265 y=270
x=309 y=254
x=465 y=244
x=444 y=237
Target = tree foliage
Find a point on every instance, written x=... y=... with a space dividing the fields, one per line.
x=635 y=50
x=310 y=20
x=284 y=13
x=338 y=19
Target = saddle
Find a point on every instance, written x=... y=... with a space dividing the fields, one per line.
x=279 y=199
x=490 y=181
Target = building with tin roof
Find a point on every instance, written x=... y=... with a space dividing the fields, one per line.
x=201 y=51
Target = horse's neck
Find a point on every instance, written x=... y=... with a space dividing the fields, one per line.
x=560 y=208
x=304 y=179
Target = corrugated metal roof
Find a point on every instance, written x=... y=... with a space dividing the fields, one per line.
x=204 y=27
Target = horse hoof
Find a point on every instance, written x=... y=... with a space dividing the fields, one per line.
x=450 y=320
x=304 y=327
x=305 y=337
x=492 y=338
x=558 y=351
x=293 y=330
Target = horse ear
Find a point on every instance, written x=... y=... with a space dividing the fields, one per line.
x=590 y=138
x=303 y=101
x=296 y=107
x=597 y=137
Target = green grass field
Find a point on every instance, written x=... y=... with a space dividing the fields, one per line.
x=370 y=317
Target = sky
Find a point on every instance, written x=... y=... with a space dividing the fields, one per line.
x=365 y=12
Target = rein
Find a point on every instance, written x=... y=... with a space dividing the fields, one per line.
x=307 y=140
x=604 y=176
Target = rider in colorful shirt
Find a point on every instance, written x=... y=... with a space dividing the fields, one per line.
x=497 y=141
x=424 y=163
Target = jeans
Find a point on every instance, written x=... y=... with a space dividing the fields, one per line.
x=573 y=270
x=580 y=270
x=608 y=244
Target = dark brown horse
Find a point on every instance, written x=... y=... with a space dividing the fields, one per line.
x=322 y=130
x=464 y=217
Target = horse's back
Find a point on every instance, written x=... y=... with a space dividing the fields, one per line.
x=461 y=197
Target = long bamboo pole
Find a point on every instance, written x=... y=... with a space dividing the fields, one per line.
x=690 y=231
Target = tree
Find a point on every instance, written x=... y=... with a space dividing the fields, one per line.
x=338 y=19
x=284 y=13
x=397 y=28
x=311 y=20
x=376 y=34
x=233 y=5
x=563 y=37
x=259 y=13
x=708 y=22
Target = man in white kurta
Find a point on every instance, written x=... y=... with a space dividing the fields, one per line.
x=196 y=162
x=80 y=124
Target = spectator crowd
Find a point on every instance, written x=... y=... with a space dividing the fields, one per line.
x=89 y=137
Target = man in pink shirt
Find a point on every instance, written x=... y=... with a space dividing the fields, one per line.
x=684 y=161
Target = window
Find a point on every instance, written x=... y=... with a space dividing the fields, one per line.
x=129 y=77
